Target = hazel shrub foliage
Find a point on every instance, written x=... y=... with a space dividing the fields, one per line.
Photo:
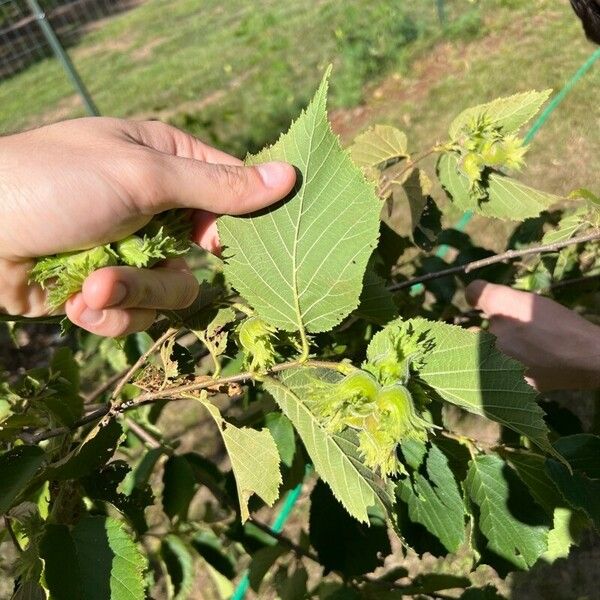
x=307 y=366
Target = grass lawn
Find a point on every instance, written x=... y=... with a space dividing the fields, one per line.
x=238 y=70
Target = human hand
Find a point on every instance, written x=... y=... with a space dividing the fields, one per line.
x=86 y=182
x=560 y=349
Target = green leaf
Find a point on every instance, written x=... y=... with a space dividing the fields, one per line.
x=17 y=468
x=64 y=362
x=376 y=301
x=565 y=230
x=179 y=487
x=506 y=197
x=180 y=566
x=61 y=573
x=301 y=264
x=335 y=457
x=378 y=146
x=435 y=500
x=283 y=433
x=105 y=485
x=110 y=563
x=465 y=368
x=261 y=563
x=454 y=182
x=567 y=530
x=95 y=450
x=254 y=460
x=513 y=200
x=582 y=452
x=489 y=485
x=210 y=548
x=531 y=468
x=342 y=543
x=96 y=560
x=214 y=335
x=508 y=114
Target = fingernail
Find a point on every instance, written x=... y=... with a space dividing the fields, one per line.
x=118 y=294
x=91 y=317
x=273 y=174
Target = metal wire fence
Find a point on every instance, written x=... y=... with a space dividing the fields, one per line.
x=22 y=41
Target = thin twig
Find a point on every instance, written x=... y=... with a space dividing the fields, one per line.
x=172 y=393
x=141 y=360
x=95 y=394
x=285 y=541
x=575 y=281
x=141 y=433
x=492 y=260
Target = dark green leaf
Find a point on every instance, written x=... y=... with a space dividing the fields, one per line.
x=434 y=500
x=209 y=547
x=17 y=468
x=110 y=564
x=95 y=450
x=582 y=451
x=61 y=572
x=513 y=531
x=180 y=566
x=261 y=562
x=104 y=486
x=97 y=560
x=179 y=487
x=579 y=491
x=376 y=301
x=342 y=543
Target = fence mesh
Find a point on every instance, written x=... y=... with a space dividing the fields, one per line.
x=21 y=40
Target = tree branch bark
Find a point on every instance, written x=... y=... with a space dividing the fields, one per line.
x=492 y=260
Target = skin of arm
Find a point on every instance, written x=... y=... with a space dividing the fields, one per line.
x=560 y=349
x=80 y=183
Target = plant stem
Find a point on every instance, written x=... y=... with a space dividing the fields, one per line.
x=174 y=393
x=142 y=434
x=141 y=360
x=492 y=260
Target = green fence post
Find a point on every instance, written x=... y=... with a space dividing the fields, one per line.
x=441 y=10
x=63 y=57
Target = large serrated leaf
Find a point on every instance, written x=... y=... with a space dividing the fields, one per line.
x=335 y=457
x=435 y=501
x=489 y=487
x=507 y=198
x=97 y=560
x=508 y=114
x=466 y=369
x=301 y=263
x=254 y=460
x=379 y=145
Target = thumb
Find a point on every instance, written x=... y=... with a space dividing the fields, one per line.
x=494 y=299
x=223 y=188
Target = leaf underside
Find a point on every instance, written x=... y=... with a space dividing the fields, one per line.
x=335 y=457
x=301 y=264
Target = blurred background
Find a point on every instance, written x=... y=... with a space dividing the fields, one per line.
x=236 y=72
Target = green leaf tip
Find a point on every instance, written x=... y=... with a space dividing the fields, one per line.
x=301 y=263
